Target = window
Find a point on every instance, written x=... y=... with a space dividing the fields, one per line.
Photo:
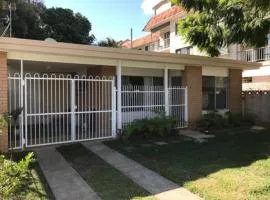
x=185 y=50
x=167 y=35
x=176 y=81
x=214 y=92
x=167 y=40
x=146 y=48
x=247 y=80
x=176 y=28
x=158 y=81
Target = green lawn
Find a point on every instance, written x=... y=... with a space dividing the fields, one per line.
x=108 y=182
x=38 y=187
x=227 y=167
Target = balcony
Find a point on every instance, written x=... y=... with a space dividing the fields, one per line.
x=155 y=46
x=255 y=55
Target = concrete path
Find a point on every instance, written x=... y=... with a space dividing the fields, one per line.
x=64 y=181
x=152 y=182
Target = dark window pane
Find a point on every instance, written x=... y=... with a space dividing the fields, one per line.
x=158 y=81
x=208 y=88
x=221 y=98
x=176 y=81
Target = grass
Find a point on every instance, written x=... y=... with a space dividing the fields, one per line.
x=108 y=182
x=38 y=187
x=226 y=167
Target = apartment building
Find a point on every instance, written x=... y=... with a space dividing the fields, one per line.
x=163 y=37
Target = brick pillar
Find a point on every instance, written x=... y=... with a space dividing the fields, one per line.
x=192 y=78
x=235 y=91
x=3 y=99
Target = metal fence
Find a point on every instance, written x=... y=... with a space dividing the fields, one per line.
x=141 y=102
x=257 y=105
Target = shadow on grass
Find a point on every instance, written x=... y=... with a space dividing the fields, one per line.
x=108 y=182
x=188 y=161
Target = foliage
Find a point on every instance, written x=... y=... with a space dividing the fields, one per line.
x=66 y=26
x=211 y=25
x=214 y=120
x=161 y=125
x=3 y=121
x=109 y=42
x=14 y=177
x=32 y=20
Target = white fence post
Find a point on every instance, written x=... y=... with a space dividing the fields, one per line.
x=186 y=106
x=113 y=110
x=119 y=96
x=166 y=88
x=22 y=106
x=73 y=119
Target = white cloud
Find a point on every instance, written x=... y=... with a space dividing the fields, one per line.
x=147 y=6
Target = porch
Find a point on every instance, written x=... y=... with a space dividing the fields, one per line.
x=74 y=92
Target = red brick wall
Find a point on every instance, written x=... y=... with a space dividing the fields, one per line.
x=235 y=90
x=192 y=78
x=3 y=99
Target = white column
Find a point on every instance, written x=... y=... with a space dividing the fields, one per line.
x=186 y=106
x=73 y=106
x=22 y=106
x=166 y=74
x=119 y=100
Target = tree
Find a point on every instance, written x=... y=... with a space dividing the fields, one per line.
x=213 y=24
x=65 y=26
x=32 y=20
x=26 y=21
x=109 y=42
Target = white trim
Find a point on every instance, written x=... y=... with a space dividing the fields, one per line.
x=119 y=99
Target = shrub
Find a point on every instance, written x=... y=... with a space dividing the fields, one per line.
x=14 y=177
x=3 y=121
x=212 y=120
x=161 y=125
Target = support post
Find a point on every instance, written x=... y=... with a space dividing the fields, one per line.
x=73 y=120
x=119 y=100
x=166 y=89
x=186 y=106
x=22 y=105
x=113 y=110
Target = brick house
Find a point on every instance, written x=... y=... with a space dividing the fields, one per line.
x=72 y=92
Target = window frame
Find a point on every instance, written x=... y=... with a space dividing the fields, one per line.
x=215 y=89
x=179 y=51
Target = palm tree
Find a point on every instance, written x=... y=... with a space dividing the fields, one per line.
x=109 y=42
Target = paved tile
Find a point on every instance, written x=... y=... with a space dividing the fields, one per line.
x=161 y=143
x=64 y=181
x=195 y=134
x=152 y=182
x=146 y=145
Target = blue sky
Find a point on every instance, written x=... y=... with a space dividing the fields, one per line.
x=109 y=18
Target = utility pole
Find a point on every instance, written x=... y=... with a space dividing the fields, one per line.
x=8 y=19
x=131 y=38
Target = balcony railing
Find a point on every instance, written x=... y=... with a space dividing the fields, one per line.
x=167 y=43
x=154 y=46
x=255 y=55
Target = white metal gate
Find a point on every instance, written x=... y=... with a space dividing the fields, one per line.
x=61 y=109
